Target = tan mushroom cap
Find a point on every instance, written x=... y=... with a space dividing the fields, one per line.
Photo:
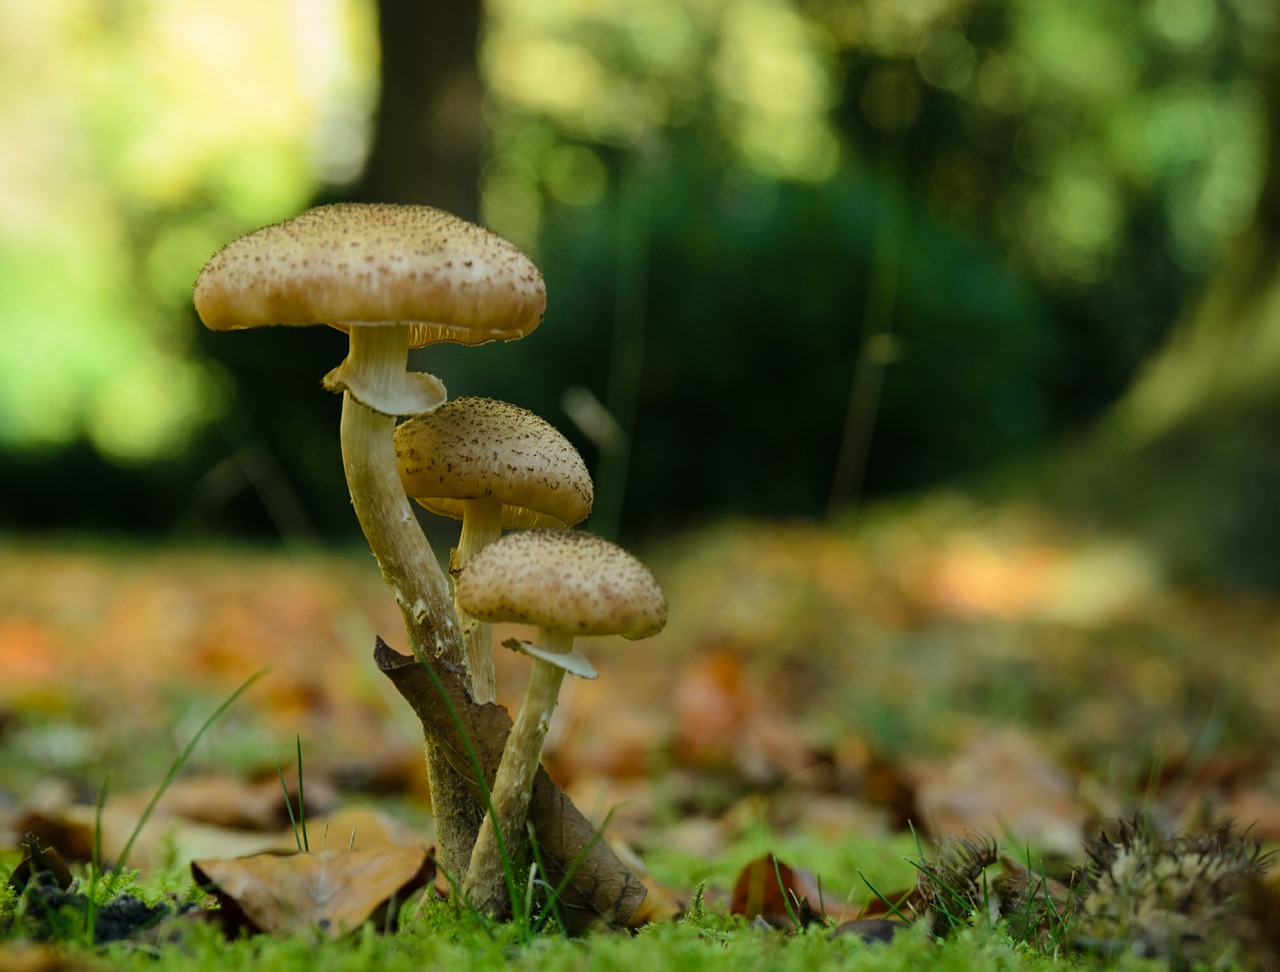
x=563 y=580
x=479 y=448
x=353 y=264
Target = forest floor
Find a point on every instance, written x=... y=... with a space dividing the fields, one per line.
x=929 y=671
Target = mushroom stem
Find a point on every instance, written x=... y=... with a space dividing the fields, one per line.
x=408 y=564
x=485 y=886
x=481 y=525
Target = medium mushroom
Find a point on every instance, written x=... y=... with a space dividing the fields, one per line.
x=392 y=277
x=568 y=584
x=492 y=465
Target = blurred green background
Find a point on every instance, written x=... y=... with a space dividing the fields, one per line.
x=798 y=252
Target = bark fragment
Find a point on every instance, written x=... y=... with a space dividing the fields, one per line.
x=601 y=887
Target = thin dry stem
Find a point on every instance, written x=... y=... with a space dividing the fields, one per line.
x=481 y=525
x=486 y=886
x=408 y=564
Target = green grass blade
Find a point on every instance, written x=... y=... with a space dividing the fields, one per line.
x=302 y=802
x=175 y=769
x=288 y=806
x=786 y=898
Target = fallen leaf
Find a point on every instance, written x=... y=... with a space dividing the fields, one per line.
x=724 y=722
x=661 y=904
x=1002 y=781
x=26 y=957
x=38 y=860
x=72 y=830
x=768 y=889
x=228 y=801
x=328 y=894
x=898 y=905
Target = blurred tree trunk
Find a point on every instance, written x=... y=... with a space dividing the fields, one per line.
x=1226 y=349
x=1188 y=459
x=428 y=130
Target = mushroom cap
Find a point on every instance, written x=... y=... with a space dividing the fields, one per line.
x=354 y=264
x=479 y=448
x=563 y=580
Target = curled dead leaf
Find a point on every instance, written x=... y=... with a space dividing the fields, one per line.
x=781 y=896
x=326 y=895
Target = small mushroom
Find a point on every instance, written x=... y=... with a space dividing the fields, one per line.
x=567 y=584
x=491 y=465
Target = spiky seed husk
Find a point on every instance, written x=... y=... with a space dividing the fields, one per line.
x=1179 y=899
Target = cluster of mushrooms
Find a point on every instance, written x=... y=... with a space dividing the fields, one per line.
x=399 y=277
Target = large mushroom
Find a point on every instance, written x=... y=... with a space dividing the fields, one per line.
x=494 y=466
x=567 y=584
x=392 y=277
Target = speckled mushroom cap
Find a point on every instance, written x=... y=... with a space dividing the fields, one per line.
x=479 y=448
x=564 y=580
x=359 y=263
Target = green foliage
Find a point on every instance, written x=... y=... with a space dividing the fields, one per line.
x=8 y=903
x=696 y=180
x=1109 y=150
x=138 y=140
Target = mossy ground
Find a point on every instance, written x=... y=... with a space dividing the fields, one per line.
x=436 y=934
x=904 y=636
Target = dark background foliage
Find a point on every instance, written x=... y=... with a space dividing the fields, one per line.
x=1012 y=227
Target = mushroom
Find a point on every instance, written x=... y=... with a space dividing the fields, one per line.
x=492 y=465
x=392 y=277
x=568 y=584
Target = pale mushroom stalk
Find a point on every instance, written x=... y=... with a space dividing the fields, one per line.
x=485 y=885
x=376 y=365
x=481 y=525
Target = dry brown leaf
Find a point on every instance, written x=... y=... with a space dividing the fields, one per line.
x=724 y=722
x=71 y=829
x=327 y=894
x=897 y=905
x=999 y=782
x=39 y=863
x=769 y=889
x=228 y=801
x=26 y=957
x=661 y=904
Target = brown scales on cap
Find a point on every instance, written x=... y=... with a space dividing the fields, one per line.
x=351 y=264
x=481 y=449
x=492 y=465
x=563 y=580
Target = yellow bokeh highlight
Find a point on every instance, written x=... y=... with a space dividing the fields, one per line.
x=134 y=137
x=622 y=73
